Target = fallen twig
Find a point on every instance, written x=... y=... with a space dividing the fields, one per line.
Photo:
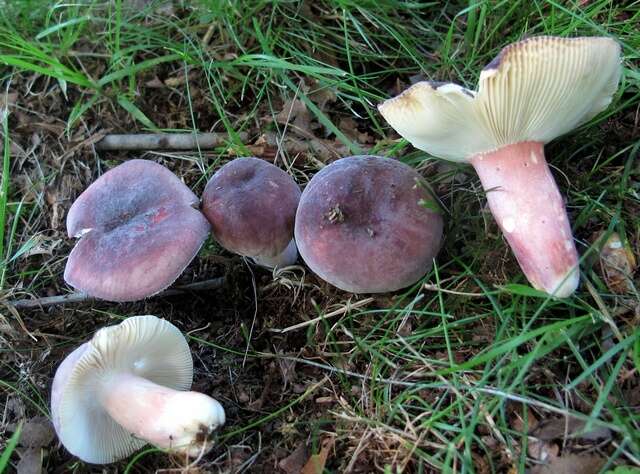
x=82 y=297
x=164 y=141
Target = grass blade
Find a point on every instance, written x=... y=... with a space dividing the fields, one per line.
x=9 y=448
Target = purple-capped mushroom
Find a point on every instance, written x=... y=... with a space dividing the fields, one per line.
x=139 y=227
x=367 y=224
x=251 y=205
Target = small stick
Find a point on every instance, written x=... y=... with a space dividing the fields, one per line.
x=164 y=141
x=337 y=312
x=78 y=297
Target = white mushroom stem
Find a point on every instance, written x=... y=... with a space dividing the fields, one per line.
x=527 y=205
x=170 y=419
x=287 y=257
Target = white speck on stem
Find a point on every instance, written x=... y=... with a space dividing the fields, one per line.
x=509 y=224
x=534 y=158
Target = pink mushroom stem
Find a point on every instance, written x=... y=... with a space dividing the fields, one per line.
x=528 y=207
x=170 y=419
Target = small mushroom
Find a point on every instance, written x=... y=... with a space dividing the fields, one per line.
x=139 y=227
x=365 y=226
x=533 y=92
x=251 y=205
x=126 y=387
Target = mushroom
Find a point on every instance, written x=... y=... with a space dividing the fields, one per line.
x=534 y=91
x=126 y=387
x=251 y=205
x=365 y=224
x=139 y=227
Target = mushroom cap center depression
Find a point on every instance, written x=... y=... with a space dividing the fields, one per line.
x=138 y=229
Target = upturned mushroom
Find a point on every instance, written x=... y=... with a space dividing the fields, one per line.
x=251 y=205
x=534 y=91
x=127 y=387
x=139 y=227
x=367 y=224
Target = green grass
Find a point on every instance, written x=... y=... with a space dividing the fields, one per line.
x=9 y=448
x=4 y=198
x=430 y=380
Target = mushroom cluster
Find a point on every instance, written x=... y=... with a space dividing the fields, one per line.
x=365 y=224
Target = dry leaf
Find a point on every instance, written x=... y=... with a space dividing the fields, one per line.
x=541 y=450
x=322 y=151
x=37 y=433
x=316 y=463
x=8 y=99
x=631 y=396
x=154 y=83
x=570 y=464
x=288 y=371
x=450 y=173
x=294 y=463
x=58 y=196
x=295 y=112
x=325 y=400
x=322 y=96
x=519 y=424
x=617 y=263
x=30 y=461
x=238 y=455
x=42 y=246
x=558 y=428
x=349 y=127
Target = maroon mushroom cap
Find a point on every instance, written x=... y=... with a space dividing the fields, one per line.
x=138 y=227
x=362 y=225
x=251 y=205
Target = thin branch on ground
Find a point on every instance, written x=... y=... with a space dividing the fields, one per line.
x=164 y=141
x=79 y=297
